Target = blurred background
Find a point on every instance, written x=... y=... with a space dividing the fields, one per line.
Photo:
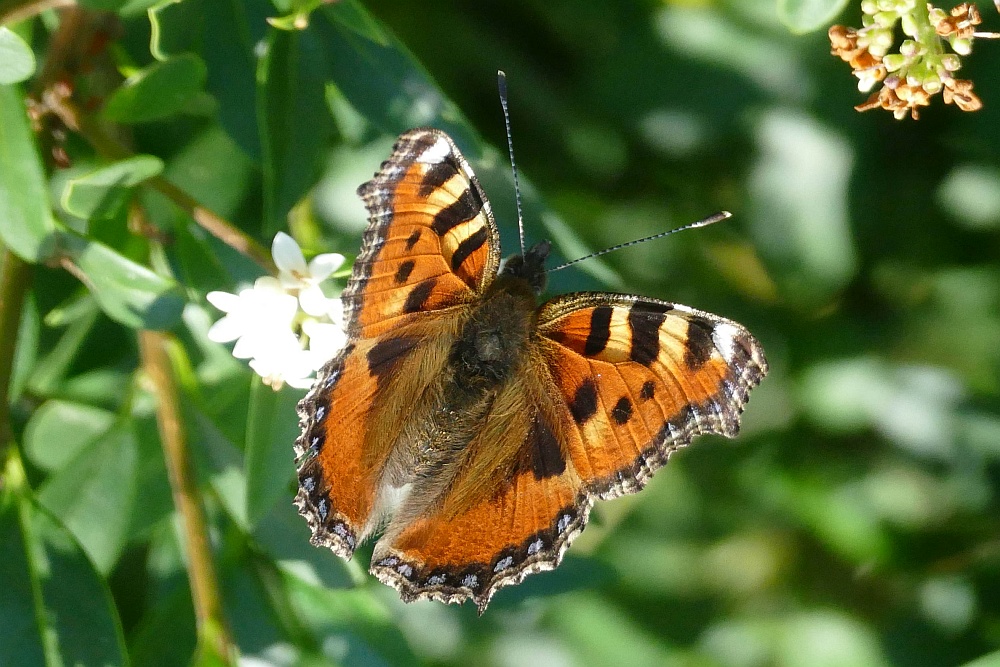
x=855 y=521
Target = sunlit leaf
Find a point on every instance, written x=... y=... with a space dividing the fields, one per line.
x=128 y=292
x=17 y=62
x=157 y=91
x=27 y=223
x=93 y=495
x=103 y=191
x=59 y=430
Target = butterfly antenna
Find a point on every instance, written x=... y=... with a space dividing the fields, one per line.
x=502 y=86
x=710 y=220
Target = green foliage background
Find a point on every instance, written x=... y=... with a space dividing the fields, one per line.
x=856 y=521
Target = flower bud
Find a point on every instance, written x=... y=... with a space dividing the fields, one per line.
x=951 y=62
x=894 y=61
x=961 y=45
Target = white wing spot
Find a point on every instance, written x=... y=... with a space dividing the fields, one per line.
x=405 y=570
x=437 y=152
x=564 y=522
x=436 y=580
x=470 y=580
x=503 y=564
x=535 y=547
x=725 y=336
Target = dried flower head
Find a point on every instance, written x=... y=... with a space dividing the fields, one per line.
x=920 y=67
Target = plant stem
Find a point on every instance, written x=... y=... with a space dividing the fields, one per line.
x=15 y=277
x=928 y=37
x=205 y=595
x=13 y=12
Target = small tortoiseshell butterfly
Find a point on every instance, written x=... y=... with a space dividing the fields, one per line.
x=474 y=427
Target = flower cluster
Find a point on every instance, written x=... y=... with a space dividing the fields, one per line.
x=920 y=68
x=286 y=326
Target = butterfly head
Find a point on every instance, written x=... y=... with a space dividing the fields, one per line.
x=530 y=266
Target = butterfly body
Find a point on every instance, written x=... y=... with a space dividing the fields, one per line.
x=472 y=426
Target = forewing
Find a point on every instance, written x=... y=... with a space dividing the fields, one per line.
x=431 y=242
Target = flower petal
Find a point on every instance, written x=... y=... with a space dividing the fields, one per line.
x=313 y=301
x=224 y=301
x=287 y=254
x=300 y=383
x=244 y=348
x=321 y=266
x=325 y=341
x=266 y=284
x=227 y=329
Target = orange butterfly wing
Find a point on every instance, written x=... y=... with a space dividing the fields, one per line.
x=609 y=385
x=531 y=508
x=431 y=241
x=640 y=378
x=613 y=385
x=430 y=248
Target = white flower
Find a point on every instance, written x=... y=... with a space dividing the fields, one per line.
x=252 y=316
x=284 y=361
x=325 y=340
x=286 y=326
x=295 y=274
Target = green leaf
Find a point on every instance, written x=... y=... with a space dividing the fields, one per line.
x=157 y=91
x=353 y=16
x=296 y=123
x=272 y=427
x=199 y=264
x=282 y=535
x=238 y=27
x=357 y=615
x=17 y=62
x=104 y=191
x=26 y=222
x=127 y=292
x=26 y=354
x=988 y=660
x=802 y=16
x=51 y=370
x=59 y=430
x=174 y=27
x=155 y=500
x=219 y=463
x=93 y=495
x=56 y=608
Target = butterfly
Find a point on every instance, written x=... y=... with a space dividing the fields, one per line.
x=474 y=428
